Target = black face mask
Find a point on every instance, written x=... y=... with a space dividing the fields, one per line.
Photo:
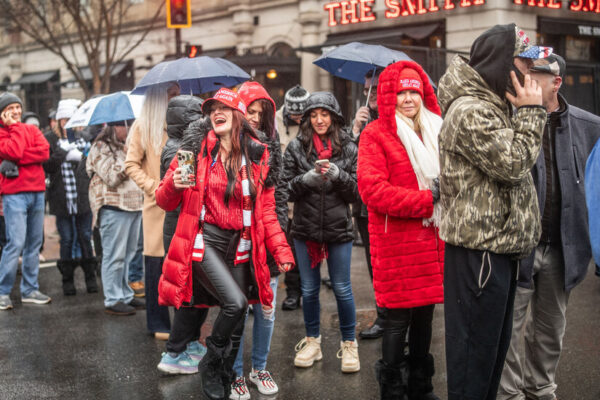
x=510 y=88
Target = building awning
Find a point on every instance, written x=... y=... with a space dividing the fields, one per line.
x=35 y=77
x=86 y=72
x=374 y=36
x=566 y=27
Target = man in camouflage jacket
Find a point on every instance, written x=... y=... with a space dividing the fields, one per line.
x=489 y=141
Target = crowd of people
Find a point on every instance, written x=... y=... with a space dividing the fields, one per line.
x=471 y=194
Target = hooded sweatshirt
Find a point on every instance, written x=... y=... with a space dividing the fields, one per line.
x=486 y=152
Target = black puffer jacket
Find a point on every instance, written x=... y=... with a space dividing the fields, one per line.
x=181 y=112
x=322 y=214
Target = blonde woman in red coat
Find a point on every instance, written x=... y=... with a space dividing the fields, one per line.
x=398 y=171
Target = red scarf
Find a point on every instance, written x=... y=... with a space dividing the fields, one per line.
x=317 y=252
x=323 y=153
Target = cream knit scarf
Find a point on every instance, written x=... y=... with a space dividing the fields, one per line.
x=423 y=155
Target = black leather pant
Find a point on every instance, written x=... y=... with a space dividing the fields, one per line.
x=397 y=324
x=226 y=282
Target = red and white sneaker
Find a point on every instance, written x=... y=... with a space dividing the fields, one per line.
x=239 y=389
x=264 y=381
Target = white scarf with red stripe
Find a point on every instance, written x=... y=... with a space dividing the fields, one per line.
x=242 y=253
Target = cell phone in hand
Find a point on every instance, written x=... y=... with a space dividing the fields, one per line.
x=321 y=164
x=510 y=87
x=185 y=159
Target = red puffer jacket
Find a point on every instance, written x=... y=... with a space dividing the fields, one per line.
x=407 y=257
x=176 y=283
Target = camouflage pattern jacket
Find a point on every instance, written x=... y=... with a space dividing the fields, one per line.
x=486 y=155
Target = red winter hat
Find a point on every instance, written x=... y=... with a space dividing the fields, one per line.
x=409 y=79
x=227 y=97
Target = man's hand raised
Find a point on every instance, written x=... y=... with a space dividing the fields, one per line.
x=530 y=94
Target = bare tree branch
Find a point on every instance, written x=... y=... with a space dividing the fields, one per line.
x=70 y=28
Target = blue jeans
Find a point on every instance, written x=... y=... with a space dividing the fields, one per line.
x=338 y=263
x=136 y=267
x=75 y=236
x=262 y=330
x=24 y=215
x=119 y=232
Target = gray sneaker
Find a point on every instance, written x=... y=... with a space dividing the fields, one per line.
x=36 y=297
x=5 y=303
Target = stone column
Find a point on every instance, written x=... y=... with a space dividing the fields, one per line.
x=310 y=17
x=243 y=26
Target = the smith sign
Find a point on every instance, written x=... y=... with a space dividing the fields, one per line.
x=355 y=11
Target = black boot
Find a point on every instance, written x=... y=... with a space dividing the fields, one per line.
x=66 y=268
x=419 y=378
x=392 y=380
x=89 y=269
x=212 y=369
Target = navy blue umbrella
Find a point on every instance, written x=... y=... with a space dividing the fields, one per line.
x=354 y=60
x=194 y=75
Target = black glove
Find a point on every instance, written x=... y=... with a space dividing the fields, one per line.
x=9 y=169
x=435 y=190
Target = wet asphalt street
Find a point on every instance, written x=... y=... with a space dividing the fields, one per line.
x=71 y=349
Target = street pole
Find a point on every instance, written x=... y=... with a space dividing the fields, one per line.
x=178 y=43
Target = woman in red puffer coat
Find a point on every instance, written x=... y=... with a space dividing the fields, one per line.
x=227 y=223
x=398 y=169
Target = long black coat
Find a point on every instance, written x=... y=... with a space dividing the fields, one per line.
x=576 y=133
x=321 y=214
x=55 y=194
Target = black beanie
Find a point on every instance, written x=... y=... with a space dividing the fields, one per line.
x=6 y=99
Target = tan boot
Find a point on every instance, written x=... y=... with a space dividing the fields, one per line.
x=308 y=350
x=348 y=352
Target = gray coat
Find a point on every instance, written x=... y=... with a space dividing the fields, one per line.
x=575 y=137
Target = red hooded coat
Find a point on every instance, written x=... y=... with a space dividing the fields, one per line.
x=407 y=257
x=251 y=91
x=176 y=283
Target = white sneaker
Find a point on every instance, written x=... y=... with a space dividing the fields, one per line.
x=308 y=350
x=348 y=352
x=264 y=381
x=239 y=389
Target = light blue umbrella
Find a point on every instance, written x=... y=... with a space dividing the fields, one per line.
x=194 y=75
x=119 y=106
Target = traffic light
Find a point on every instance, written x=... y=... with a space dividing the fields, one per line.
x=193 y=50
x=179 y=14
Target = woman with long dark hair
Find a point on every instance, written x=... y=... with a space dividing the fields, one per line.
x=398 y=181
x=227 y=222
x=320 y=171
x=260 y=114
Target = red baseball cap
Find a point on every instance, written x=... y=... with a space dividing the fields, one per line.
x=410 y=79
x=227 y=97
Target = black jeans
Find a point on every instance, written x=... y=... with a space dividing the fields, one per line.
x=396 y=325
x=292 y=277
x=226 y=282
x=479 y=292
x=157 y=317
x=362 y=224
x=186 y=327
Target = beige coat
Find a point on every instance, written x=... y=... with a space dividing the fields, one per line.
x=144 y=168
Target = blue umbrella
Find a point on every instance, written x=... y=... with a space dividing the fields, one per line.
x=119 y=106
x=354 y=60
x=194 y=75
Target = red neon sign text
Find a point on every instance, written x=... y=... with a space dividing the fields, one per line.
x=355 y=11
x=574 y=5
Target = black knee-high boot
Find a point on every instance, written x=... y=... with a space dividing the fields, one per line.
x=392 y=380
x=66 y=268
x=421 y=371
x=212 y=369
